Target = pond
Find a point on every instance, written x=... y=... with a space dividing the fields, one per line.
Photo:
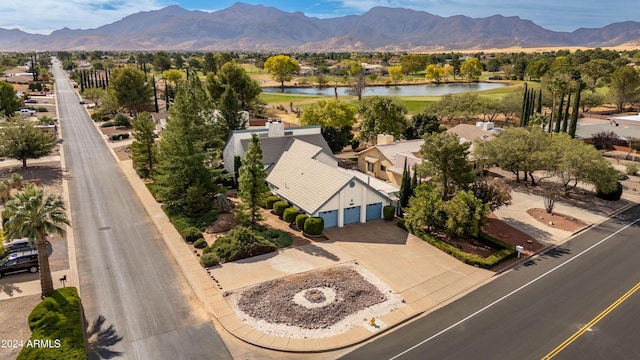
x=402 y=90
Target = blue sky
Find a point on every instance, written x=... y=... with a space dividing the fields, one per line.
x=44 y=16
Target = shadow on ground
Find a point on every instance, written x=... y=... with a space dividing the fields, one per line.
x=100 y=339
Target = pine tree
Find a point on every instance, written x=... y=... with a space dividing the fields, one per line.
x=183 y=179
x=155 y=94
x=230 y=117
x=405 y=187
x=252 y=186
x=144 y=151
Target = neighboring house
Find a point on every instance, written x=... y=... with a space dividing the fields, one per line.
x=372 y=68
x=385 y=161
x=308 y=178
x=274 y=140
x=306 y=70
x=625 y=130
x=481 y=131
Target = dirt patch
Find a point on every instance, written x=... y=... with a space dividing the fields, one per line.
x=507 y=233
x=557 y=220
x=123 y=152
x=13 y=318
x=114 y=130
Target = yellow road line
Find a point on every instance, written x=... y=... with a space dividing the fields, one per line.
x=591 y=323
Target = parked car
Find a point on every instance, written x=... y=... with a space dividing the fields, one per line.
x=21 y=261
x=27 y=112
x=81 y=102
x=31 y=101
x=15 y=245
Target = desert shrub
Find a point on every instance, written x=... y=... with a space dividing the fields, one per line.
x=122 y=120
x=200 y=244
x=300 y=219
x=279 y=207
x=277 y=237
x=191 y=234
x=632 y=169
x=388 y=212
x=209 y=259
x=99 y=117
x=604 y=140
x=314 y=225
x=119 y=136
x=289 y=214
x=611 y=196
x=57 y=319
x=269 y=201
x=107 y=124
x=241 y=242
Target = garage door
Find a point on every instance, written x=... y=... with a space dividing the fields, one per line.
x=374 y=211
x=330 y=218
x=352 y=215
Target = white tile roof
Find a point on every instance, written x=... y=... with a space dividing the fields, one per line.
x=304 y=181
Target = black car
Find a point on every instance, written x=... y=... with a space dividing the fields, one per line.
x=20 y=261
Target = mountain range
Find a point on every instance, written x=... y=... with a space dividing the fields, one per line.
x=261 y=28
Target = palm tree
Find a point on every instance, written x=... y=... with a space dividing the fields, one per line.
x=35 y=216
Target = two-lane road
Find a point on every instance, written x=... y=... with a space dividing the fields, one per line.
x=126 y=273
x=529 y=312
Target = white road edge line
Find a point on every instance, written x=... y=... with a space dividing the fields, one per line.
x=512 y=292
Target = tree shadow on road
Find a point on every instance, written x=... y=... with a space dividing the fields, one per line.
x=101 y=339
x=315 y=250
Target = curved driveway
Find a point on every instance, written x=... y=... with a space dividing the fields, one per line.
x=127 y=278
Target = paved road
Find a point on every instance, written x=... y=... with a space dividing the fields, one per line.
x=126 y=273
x=530 y=311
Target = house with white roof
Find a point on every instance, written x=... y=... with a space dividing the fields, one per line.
x=308 y=178
x=386 y=160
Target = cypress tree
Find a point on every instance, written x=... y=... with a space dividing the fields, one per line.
x=560 y=113
x=539 y=104
x=414 y=181
x=565 y=118
x=574 y=113
x=81 y=81
x=525 y=99
x=405 y=187
x=155 y=93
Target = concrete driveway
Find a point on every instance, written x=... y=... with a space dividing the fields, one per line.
x=424 y=276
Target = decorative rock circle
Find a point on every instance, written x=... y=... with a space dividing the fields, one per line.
x=316 y=297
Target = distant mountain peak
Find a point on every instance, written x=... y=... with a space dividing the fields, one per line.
x=245 y=26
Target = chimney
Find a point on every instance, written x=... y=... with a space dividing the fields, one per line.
x=276 y=128
x=384 y=139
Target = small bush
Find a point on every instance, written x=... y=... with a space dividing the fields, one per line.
x=107 y=124
x=632 y=169
x=41 y=109
x=224 y=248
x=611 y=196
x=270 y=201
x=314 y=226
x=279 y=207
x=99 y=117
x=388 y=212
x=191 y=234
x=122 y=120
x=289 y=214
x=119 y=136
x=300 y=219
x=278 y=237
x=209 y=259
x=200 y=244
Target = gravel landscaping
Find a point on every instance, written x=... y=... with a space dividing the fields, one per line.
x=316 y=304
